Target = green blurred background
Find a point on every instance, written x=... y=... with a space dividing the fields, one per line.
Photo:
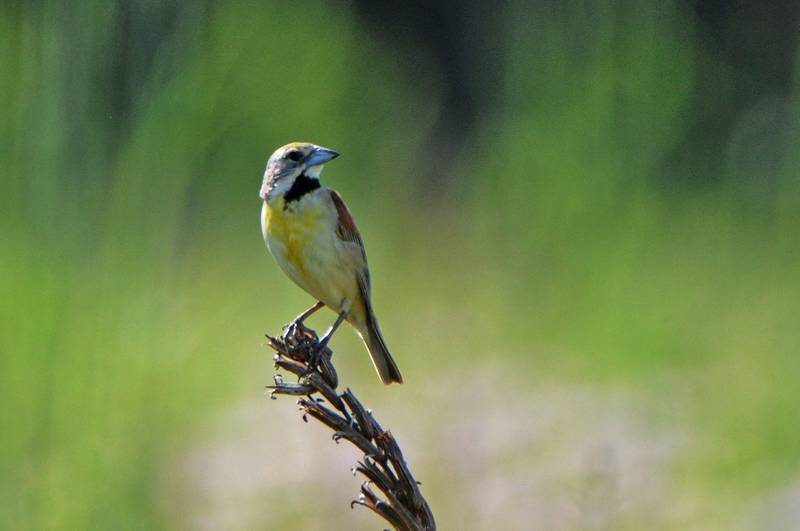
x=582 y=224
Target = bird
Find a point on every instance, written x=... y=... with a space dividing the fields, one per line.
x=310 y=232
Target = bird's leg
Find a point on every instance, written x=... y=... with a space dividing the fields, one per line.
x=297 y=323
x=308 y=313
x=327 y=337
x=320 y=347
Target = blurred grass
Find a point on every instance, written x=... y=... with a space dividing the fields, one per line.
x=135 y=288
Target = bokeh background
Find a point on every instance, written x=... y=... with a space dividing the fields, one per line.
x=582 y=224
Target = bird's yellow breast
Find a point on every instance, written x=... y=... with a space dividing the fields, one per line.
x=295 y=227
x=302 y=237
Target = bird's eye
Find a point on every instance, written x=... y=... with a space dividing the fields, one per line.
x=294 y=155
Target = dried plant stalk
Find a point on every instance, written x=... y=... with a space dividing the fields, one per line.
x=396 y=496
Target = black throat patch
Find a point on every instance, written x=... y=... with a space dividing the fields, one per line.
x=301 y=186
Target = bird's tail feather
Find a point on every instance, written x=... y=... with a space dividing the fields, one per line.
x=379 y=352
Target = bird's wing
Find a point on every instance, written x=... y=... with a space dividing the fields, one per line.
x=347 y=231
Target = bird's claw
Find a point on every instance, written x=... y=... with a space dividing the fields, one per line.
x=297 y=328
x=291 y=329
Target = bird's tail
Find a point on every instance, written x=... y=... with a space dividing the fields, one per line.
x=379 y=352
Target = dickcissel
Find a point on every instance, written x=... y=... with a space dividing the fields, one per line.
x=312 y=235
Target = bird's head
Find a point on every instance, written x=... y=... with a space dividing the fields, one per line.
x=290 y=162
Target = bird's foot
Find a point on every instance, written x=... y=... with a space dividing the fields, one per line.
x=299 y=331
x=295 y=327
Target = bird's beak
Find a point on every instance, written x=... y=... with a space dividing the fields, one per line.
x=320 y=155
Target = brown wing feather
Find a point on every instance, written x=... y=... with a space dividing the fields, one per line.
x=347 y=231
